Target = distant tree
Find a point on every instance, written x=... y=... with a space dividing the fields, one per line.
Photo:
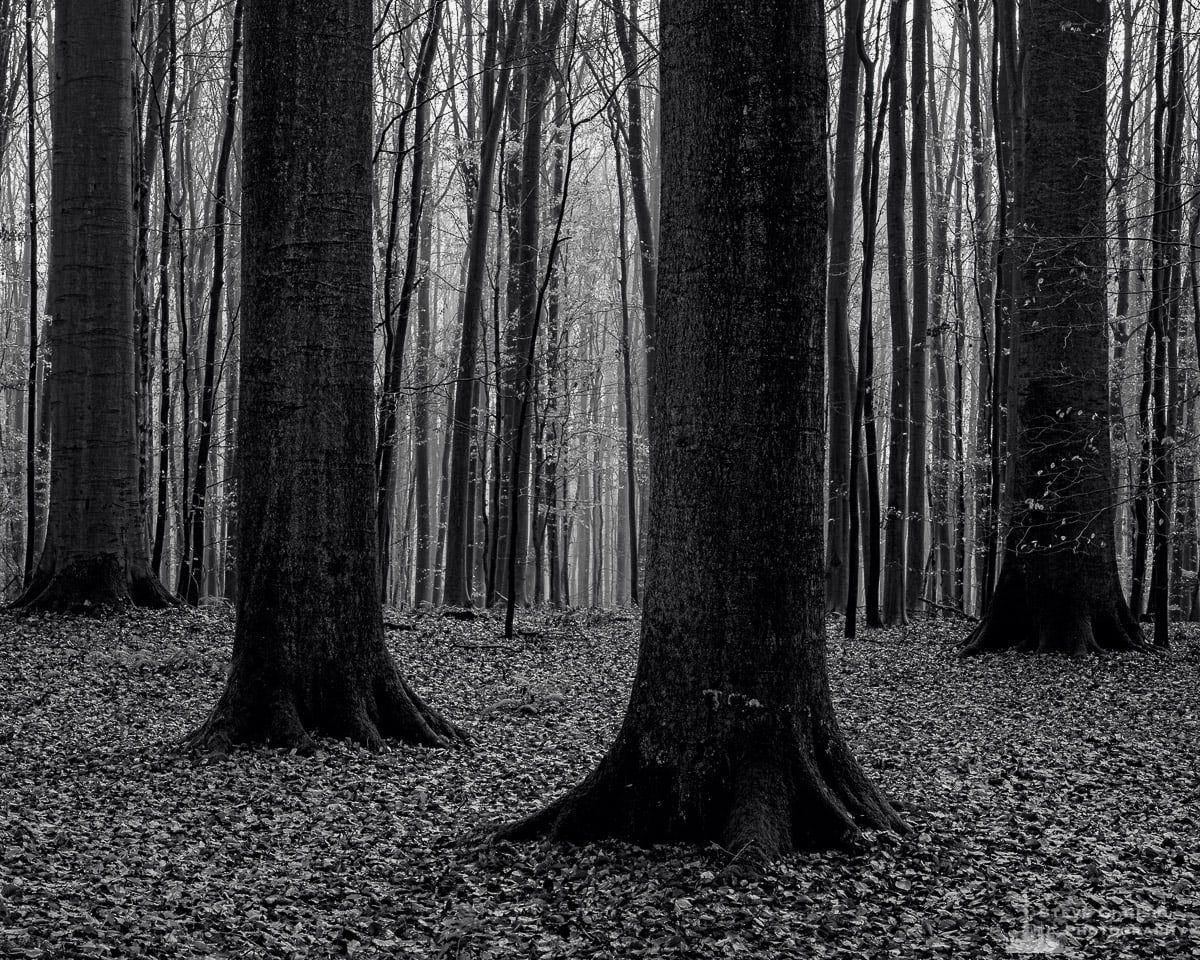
x=730 y=734
x=308 y=653
x=95 y=553
x=894 y=563
x=1058 y=589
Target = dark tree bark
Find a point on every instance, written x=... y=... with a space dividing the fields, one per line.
x=1058 y=590
x=163 y=306
x=837 y=321
x=95 y=551
x=395 y=316
x=864 y=405
x=627 y=28
x=31 y=402
x=918 y=358
x=626 y=394
x=457 y=590
x=894 y=562
x=730 y=734
x=308 y=651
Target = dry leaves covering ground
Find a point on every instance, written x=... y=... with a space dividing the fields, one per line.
x=1055 y=808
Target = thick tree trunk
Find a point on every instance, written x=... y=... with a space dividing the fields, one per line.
x=308 y=653
x=95 y=552
x=730 y=735
x=1058 y=590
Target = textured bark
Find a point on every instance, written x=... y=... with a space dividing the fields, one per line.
x=1058 y=590
x=308 y=652
x=95 y=551
x=730 y=735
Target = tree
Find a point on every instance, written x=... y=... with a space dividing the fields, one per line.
x=894 y=610
x=730 y=734
x=1058 y=589
x=837 y=322
x=95 y=551
x=308 y=652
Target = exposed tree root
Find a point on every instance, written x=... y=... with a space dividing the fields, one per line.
x=1033 y=614
x=368 y=712
x=767 y=805
x=93 y=585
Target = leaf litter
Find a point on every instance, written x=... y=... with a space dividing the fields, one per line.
x=1053 y=806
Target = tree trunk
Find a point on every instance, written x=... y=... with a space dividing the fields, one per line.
x=191 y=563
x=894 y=564
x=864 y=407
x=1058 y=590
x=837 y=322
x=457 y=590
x=639 y=180
x=308 y=653
x=918 y=403
x=95 y=552
x=730 y=735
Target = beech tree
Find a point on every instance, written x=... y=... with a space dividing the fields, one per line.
x=1058 y=589
x=308 y=652
x=730 y=734
x=95 y=553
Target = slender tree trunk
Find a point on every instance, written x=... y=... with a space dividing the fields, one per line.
x=630 y=487
x=191 y=564
x=31 y=402
x=918 y=404
x=644 y=208
x=396 y=327
x=864 y=408
x=458 y=525
x=837 y=323
x=894 y=607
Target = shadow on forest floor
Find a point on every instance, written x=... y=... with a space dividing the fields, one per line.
x=1055 y=808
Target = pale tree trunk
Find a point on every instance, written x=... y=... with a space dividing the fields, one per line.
x=95 y=551
x=730 y=735
x=308 y=651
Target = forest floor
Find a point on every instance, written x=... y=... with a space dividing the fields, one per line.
x=1055 y=808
